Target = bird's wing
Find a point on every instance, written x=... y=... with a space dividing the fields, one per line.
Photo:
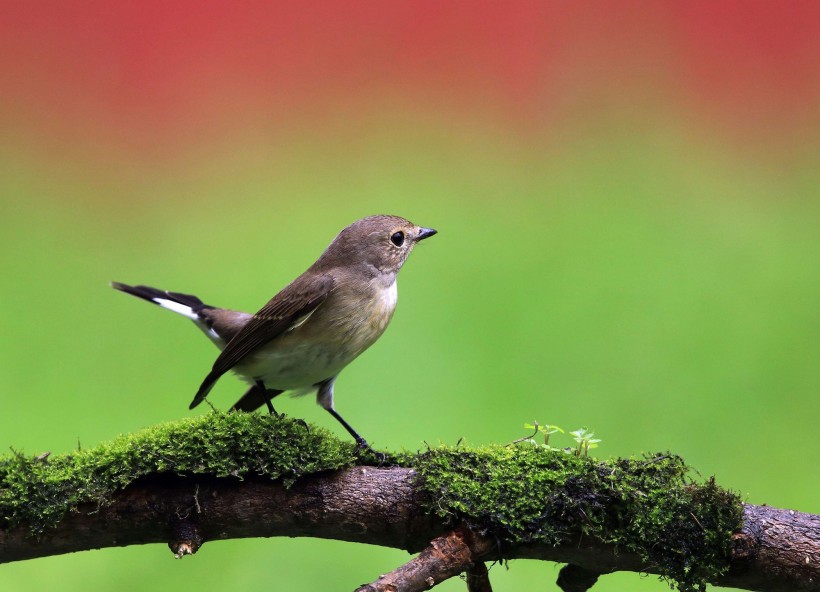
x=285 y=311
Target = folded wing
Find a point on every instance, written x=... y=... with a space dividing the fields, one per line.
x=286 y=310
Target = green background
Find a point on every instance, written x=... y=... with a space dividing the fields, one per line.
x=582 y=290
x=628 y=268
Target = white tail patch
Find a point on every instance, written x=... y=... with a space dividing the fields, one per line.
x=182 y=309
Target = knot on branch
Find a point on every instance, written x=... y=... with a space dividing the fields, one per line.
x=744 y=547
x=186 y=537
x=574 y=578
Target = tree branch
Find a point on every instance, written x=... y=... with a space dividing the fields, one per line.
x=777 y=550
x=236 y=475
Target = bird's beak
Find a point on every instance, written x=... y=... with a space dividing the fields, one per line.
x=425 y=233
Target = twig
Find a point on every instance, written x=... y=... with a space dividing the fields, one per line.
x=525 y=438
x=478 y=578
x=447 y=556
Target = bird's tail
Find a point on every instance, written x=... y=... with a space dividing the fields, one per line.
x=205 y=388
x=255 y=398
x=184 y=304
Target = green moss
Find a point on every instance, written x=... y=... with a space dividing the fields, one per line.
x=520 y=494
x=527 y=494
x=40 y=492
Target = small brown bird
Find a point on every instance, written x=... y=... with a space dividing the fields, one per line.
x=314 y=327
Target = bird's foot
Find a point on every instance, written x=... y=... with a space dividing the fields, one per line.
x=365 y=451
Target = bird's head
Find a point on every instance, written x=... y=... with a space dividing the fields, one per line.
x=378 y=242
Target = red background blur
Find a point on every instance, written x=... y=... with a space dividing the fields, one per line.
x=149 y=79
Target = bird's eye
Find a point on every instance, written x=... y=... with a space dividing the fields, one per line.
x=397 y=238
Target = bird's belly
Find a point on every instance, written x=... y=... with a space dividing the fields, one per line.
x=296 y=362
x=288 y=366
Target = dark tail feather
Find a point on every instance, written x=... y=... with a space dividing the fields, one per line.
x=150 y=294
x=254 y=399
x=204 y=389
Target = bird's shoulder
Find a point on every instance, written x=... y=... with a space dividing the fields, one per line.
x=305 y=292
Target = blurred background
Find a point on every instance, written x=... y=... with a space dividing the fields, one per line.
x=627 y=204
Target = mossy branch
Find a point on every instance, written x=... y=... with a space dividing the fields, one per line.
x=242 y=475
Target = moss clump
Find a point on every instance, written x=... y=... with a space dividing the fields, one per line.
x=527 y=494
x=40 y=492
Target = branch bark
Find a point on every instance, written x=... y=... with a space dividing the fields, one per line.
x=777 y=550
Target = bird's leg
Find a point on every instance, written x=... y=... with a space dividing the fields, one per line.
x=266 y=396
x=360 y=442
x=324 y=396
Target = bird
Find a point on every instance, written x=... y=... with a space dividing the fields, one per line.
x=314 y=327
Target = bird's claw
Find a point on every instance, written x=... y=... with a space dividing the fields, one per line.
x=363 y=448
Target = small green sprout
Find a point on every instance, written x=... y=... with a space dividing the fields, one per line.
x=585 y=440
x=547 y=430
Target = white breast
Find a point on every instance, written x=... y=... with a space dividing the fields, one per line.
x=390 y=296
